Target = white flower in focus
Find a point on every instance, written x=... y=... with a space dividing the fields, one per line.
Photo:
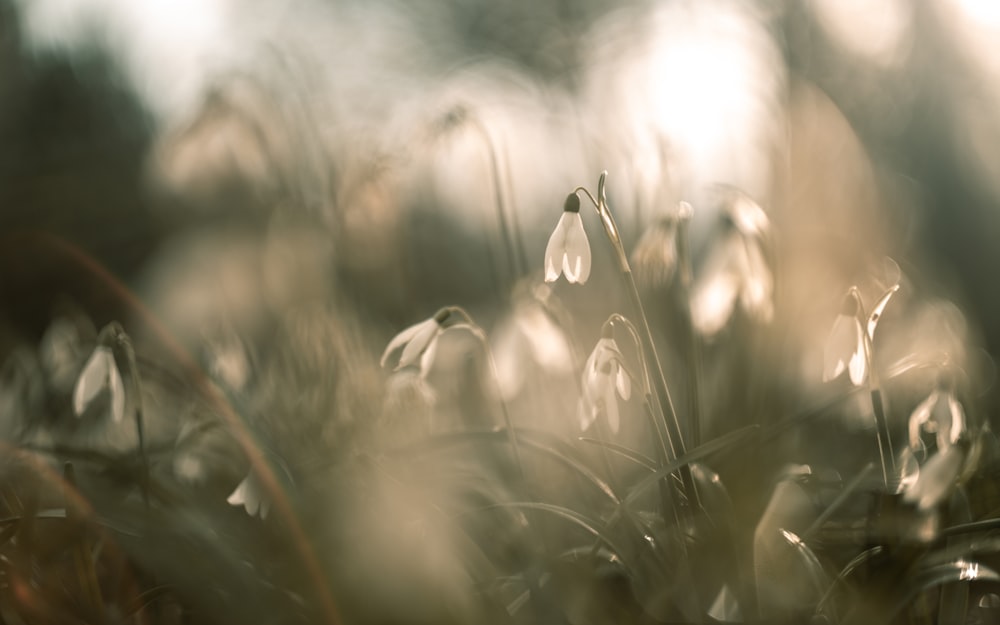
x=419 y=341
x=736 y=270
x=603 y=377
x=530 y=337
x=845 y=347
x=568 y=250
x=940 y=414
x=251 y=496
x=100 y=376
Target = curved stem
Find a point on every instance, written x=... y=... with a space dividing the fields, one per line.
x=671 y=424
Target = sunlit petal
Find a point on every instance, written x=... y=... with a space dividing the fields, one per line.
x=957 y=419
x=577 y=249
x=919 y=417
x=100 y=374
x=555 y=249
x=858 y=366
x=623 y=383
x=937 y=477
x=876 y=314
x=400 y=340
x=611 y=409
x=422 y=340
x=712 y=302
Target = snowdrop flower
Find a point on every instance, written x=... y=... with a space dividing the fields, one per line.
x=936 y=479
x=568 y=250
x=250 y=494
x=940 y=413
x=419 y=341
x=101 y=377
x=845 y=347
x=735 y=271
x=655 y=256
x=603 y=377
x=531 y=336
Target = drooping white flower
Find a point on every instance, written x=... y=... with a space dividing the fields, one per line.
x=937 y=477
x=603 y=377
x=941 y=414
x=250 y=494
x=419 y=341
x=529 y=338
x=100 y=375
x=654 y=258
x=736 y=271
x=568 y=250
x=845 y=347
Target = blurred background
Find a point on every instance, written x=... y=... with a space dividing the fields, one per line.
x=229 y=167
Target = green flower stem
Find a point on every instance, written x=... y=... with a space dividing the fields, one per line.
x=694 y=349
x=671 y=424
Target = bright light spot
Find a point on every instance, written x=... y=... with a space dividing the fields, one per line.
x=984 y=12
x=877 y=30
x=970 y=570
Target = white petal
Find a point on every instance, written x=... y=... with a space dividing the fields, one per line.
x=95 y=377
x=758 y=286
x=509 y=355
x=576 y=262
x=611 y=408
x=555 y=249
x=937 y=477
x=117 y=390
x=957 y=419
x=422 y=338
x=427 y=358
x=919 y=416
x=712 y=302
x=547 y=342
x=858 y=366
x=876 y=314
x=400 y=340
x=238 y=496
x=623 y=383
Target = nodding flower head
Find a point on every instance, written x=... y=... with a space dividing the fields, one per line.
x=940 y=414
x=736 y=271
x=604 y=375
x=530 y=341
x=845 y=347
x=419 y=341
x=250 y=494
x=101 y=376
x=654 y=259
x=568 y=250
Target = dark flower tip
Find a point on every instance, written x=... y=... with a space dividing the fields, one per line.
x=442 y=315
x=572 y=204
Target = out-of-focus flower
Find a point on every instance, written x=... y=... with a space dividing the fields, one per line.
x=568 y=250
x=845 y=347
x=654 y=259
x=529 y=337
x=736 y=270
x=419 y=341
x=937 y=477
x=941 y=414
x=100 y=377
x=603 y=376
x=250 y=494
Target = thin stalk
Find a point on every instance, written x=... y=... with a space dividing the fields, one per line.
x=694 y=349
x=671 y=424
